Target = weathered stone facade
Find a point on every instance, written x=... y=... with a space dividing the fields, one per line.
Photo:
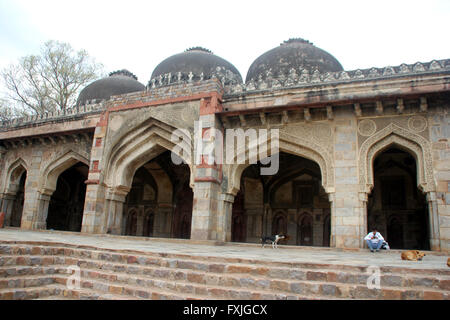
x=341 y=136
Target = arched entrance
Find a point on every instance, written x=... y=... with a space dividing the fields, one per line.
x=396 y=206
x=238 y=226
x=17 y=206
x=159 y=203
x=276 y=204
x=65 y=210
x=305 y=230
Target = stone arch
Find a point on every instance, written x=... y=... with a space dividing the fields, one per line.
x=138 y=146
x=412 y=143
x=280 y=222
x=289 y=144
x=305 y=228
x=13 y=174
x=55 y=167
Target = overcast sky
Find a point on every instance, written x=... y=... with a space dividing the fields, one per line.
x=137 y=35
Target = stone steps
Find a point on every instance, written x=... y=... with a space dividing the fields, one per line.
x=127 y=274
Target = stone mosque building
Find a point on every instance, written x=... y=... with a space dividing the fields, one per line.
x=356 y=149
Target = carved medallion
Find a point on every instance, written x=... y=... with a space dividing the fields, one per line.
x=417 y=123
x=367 y=127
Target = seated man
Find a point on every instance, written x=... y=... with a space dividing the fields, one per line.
x=374 y=240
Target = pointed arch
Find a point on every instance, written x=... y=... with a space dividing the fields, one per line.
x=393 y=135
x=52 y=171
x=289 y=144
x=138 y=146
x=13 y=174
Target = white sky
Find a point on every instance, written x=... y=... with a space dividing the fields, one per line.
x=137 y=35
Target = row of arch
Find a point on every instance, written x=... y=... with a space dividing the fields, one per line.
x=150 y=140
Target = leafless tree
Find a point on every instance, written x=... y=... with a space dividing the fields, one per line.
x=48 y=82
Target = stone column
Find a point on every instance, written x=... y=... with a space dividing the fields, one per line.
x=94 y=214
x=348 y=219
x=115 y=200
x=40 y=222
x=7 y=207
x=433 y=216
x=31 y=206
x=207 y=170
x=224 y=216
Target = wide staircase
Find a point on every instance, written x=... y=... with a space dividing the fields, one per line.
x=61 y=271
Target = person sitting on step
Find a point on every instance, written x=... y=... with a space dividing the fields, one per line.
x=374 y=240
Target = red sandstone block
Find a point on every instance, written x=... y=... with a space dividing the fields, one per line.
x=316 y=276
x=239 y=269
x=7 y=296
x=35 y=250
x=47 y=261
x=21 y=261
x=388 y=294
x=195 y=277
x=115 y=289
x=444 y=284
x=131 y=259
x=217 y=293
x=331 y=277
x=142 y=294
x=218 y=268
x=432 y=295
x=279 y=285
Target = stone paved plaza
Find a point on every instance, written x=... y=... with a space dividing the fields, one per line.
x=355 y=257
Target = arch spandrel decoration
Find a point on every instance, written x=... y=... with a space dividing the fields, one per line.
x=290 y=144
x=393 y=134
x=140 y=145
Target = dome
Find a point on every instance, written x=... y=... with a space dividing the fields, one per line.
x=198 y=61
x=118 y=82
x=294 y=53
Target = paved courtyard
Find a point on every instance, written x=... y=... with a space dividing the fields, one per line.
x=433 y=260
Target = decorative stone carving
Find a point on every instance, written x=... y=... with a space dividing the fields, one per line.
x=394 y=134
x=417 y=123
x=367 y=127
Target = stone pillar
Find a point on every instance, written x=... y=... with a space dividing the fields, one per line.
x=40 y=221
x=31 y=207
x=7 y=207
x=348 y=219
x=115 y=200
x=94 y=214
x=224 y=216
x=348 y=209
x=433 y=216
x=205 y=210
x=207 y=171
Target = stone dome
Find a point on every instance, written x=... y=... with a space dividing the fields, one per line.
x=118 y=82
x=199 y=61
x=295 y=53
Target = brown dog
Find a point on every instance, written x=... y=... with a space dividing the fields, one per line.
x=412 y=255
x=448 y=262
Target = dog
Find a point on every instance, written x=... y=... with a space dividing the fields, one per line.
x=274 y=239
x=448 y=262
x=412 y=255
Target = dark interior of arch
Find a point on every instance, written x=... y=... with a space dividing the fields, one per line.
x=145 y=214
x=291 y=202
x=396 y=206
x=65 y=211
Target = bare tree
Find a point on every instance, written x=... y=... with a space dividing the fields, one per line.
x=50 y=81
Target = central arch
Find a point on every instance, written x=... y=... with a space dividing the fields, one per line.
x=132 y=153
x=291 y=202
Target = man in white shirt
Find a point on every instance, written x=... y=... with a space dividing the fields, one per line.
x=374 y=240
